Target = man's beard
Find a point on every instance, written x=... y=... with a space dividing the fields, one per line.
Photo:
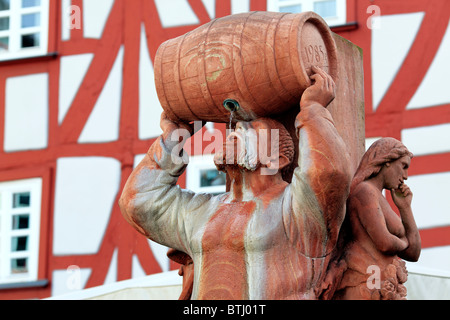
x=239 y=150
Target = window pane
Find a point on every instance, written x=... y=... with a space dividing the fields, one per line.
x=4 y=23
x=19 y=265
x=325 y=8
x=19 y=244
x=31 y=20
x=4 y=44
x=31 y=40
x=209 y=178
x=4 y=5
x=21 y=222
x=293 y=9
x=30 y=3
x=21 y=200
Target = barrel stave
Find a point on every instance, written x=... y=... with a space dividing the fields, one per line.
x=260 y=59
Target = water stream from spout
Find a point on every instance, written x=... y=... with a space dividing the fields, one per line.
x=231 y=119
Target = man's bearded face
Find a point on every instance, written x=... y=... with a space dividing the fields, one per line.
x=241 y=147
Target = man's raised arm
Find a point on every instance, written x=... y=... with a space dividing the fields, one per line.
x=320 y=184
x=151 y=201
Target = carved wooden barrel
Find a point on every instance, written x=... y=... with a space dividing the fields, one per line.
x=256 y=64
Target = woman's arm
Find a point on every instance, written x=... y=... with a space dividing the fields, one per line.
x=365 y=202
x=402 y=199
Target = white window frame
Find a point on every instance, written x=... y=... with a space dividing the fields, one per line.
x=7 y=189
x=308 y=5
x=15 y=32
x=195 y=166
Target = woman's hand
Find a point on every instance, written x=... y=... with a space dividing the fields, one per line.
x=402 y=196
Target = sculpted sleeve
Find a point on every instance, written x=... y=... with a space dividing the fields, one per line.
x=320 y=184
x=158 y=208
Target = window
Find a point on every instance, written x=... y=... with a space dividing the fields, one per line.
x=20 y=205
x=333 y=11
x=202 y=175
x=23 y=28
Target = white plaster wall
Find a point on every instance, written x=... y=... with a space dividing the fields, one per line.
x=437 y=258
x=86 y=188
x=431 y=201
x=434 y=89
x=136 y=269
x=160 y=254
x=65 y=19
x=149 y=106
x=69 y=281
x=175 y=13
x=26 y=113
x=210 y=6
x=72 y=71
x=370 y=141
x=391 y=42
x=138 y=158
x=240 y=6
x=111 y=275
x=103 y=123
x=427 y=140
x=95 y=15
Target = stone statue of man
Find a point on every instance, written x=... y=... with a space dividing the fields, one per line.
x=265 y=239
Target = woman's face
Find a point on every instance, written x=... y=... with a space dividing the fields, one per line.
x=396 y=172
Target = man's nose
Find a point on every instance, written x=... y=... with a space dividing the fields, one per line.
x=241 y=125
x=405 y=175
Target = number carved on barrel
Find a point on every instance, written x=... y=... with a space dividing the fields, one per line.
x=315 y=54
